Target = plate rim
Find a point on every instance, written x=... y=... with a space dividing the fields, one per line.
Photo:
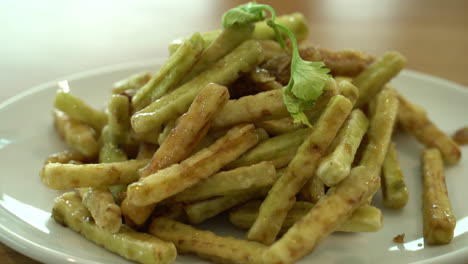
x=44 y=254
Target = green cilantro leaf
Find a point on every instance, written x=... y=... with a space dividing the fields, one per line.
x=308 y=79
x=243 y=14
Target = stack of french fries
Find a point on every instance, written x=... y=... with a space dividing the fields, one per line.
x=175 y=148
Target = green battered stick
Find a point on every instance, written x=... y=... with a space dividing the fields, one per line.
x=206 y=244
x=227 y=40
x=133 y=82
x=295 y=22
x=75 y=108
x=66 y=176
x=115 y=134
x=365 y=219
x=143 y=248
x=280 y=150
x=171 y=73
x=372 y=80
x=242 y=59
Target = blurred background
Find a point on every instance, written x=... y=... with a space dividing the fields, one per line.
x=43 y=41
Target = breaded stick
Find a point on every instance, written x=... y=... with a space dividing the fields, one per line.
x=200 y=211
x=325 y=217
x=102 y=207
x=365 y=219
x=415 y=121
x=181 y=141
x=230 y=182
x=178 y=177
x=344 y=62
x=66 y=176
x=115 y=133
x=252 y=108
x=65 y=156
x=281 y=197
x=280 y=150
x=382 y=121
x=78 y=135
x=205 y=243
x=242 y=59
x=227 y=40
x=372 y=80
x=139 y=247
x=337 y=164
x=439 y=220
x=394 y=191
x=75 y=108
x=191 y=128
x=133 y=82
x=171 y=73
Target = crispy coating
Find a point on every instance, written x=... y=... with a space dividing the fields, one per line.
x=365 y=219
x=140 y=247
x=438 y=219
x=66 y=176
x=394 y=192
x=415 y=121
x=207 y=244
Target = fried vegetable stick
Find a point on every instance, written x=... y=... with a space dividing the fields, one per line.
x=133 y=82
x=140 y=247
x=166 y=131
x=75 y=108
x=171 y=73
x=252 y=108
x=65 y=176
x=348 y=90
x=336 y=165
x=109 y=151
x=230 y=182
x=365 y=219
x=191 y=128
x=146 y=151
x=115 y=134
x=205 y=243
x=325 y=217
x=281 y=197
x=313 y=190
x=65 y=156
x=227 y=40
x=278 y=126
x=178 y=177
x=438 y=219
x=180 y=143
x=394 y=191
x=280 y=150
x=372 y=80
x=242 y=59
x=381 y=123
x=344 y=62
x=200 y=211
x=102 y=207
x=415 y=121
x=295 y=22
x=78 y=135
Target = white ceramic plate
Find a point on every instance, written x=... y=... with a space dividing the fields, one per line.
x=27 y=137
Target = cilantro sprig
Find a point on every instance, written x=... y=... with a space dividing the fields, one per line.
x=308 y=79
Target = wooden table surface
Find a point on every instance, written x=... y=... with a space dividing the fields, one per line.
x=42 y=42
